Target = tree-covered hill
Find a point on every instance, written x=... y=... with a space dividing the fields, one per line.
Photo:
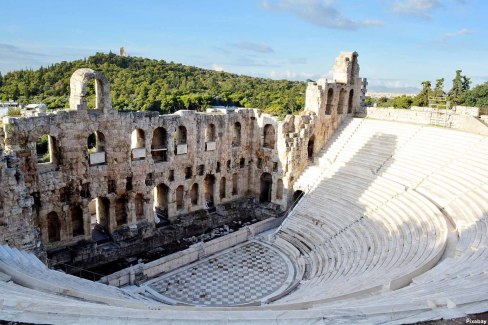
x=145 y=84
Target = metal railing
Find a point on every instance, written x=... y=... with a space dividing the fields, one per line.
x=74 y=270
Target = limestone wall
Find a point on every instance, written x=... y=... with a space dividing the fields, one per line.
x=113 y=168
x=461 y=118
x=17 y=223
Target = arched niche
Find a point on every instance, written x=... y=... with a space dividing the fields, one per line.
x=236 y=135
x=159 y=145
x=350 y=101
x=269 y=136
x=341 y=109
x=330 y=99
x=53 y=227
x=266 y=187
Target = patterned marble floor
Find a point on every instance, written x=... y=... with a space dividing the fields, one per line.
x=244 y=274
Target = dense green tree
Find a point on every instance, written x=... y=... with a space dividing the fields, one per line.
x=422 y=99
x=145 y=84
x=460 y=85
x=439 y=88
x=478 y=96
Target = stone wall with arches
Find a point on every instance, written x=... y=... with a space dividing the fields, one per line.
x=116 y=169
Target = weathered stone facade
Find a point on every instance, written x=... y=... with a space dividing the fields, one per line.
x=116 y=168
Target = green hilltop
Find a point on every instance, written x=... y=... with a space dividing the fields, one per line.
x=154 y=85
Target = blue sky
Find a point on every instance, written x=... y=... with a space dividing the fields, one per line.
x=400 y=42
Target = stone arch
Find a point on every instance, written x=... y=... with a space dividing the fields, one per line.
x=209 y=187
x=210 y=133
x=342 y=98
x=53 y=227
x=161 y=199
x=137 y=139
x=266 y=187
x=139 y=206
x=236 y=135
x=310 y=147
x=180 y=140
x=77 y=222
x=96 y=142
x=159 y=145
x=96 y=148
x=269 y=136
x=180 y=136
x=78 y=83
x=138 y=144
x=279 y=189
x=47 y=149
x=101 y=207
x=235 y=184
x=330 y=100
x=222 y=187
x=180 y=191
x=350 y=101
x=121 y=211
x=194 y=193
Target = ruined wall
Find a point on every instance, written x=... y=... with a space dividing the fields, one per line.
x=17 y=224
x=113 y=168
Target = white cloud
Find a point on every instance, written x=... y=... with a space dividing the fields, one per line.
x=419 y=8
x=318 y=12
x=291 y=75
x=448 y=38
x=461 y=32
x=217 y=67
x=253 y=47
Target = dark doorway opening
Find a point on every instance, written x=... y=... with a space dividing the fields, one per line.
x=266 y=187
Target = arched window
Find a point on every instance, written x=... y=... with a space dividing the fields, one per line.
x=180 y=140
x=46 y=150
x=159 y=145
x=269 y=136
x=236 y=135
x=266 y=187
x=310 y=147
x=222 y=187
x=209 y=183
x=96 y=148
x=210 y=138
x=279 y=189
x=194 y=194
x=77 y=224
x=53 y=227
x=179 y=197
x=121 y=211
x=342 y=98
x=330 y=99
x=99 y=209
x=138 y=144
x=139 y=206
x=235 y=184
x=161 y=199
x=350 y=102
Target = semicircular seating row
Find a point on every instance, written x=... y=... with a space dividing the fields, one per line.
x=376 y=219
x=369 y=240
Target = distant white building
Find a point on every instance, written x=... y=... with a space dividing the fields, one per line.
x=9 y=104
x=40 y=107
